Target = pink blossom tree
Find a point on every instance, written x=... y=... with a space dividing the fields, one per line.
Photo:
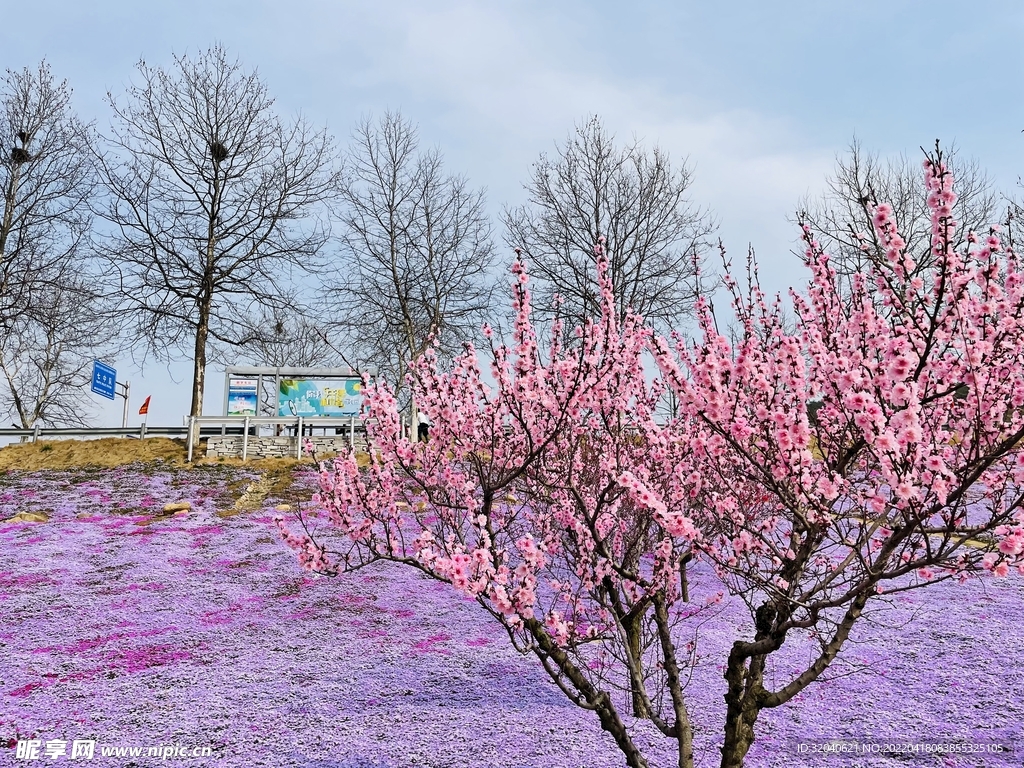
x=517 y=500
x=908 y=472
x=870 y=451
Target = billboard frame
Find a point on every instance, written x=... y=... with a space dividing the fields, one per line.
x=272 y=376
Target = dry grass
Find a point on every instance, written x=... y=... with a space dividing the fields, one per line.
x=276 y=478
x=106 y=452
x=118 y=451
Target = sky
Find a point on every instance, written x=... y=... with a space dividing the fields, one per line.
x=757 y=97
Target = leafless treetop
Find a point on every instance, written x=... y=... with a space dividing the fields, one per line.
x=418 y=250
x=634 y=197
x=214 y=201
x=841 y=216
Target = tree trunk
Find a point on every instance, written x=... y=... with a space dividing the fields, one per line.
x=684 y=580
x=611 y=723
x=741 y=712
x=205 y=303
x=683 y=729
x=633 y=625
x=10 y=198
x=597 y=700
x=199 y=366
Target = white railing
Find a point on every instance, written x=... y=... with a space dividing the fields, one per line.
x=196 y=427
x=194 y=424
x=36 y=433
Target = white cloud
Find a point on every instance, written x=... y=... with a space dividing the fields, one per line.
x=495 y=87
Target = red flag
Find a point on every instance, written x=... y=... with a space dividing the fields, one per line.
x=145 y=407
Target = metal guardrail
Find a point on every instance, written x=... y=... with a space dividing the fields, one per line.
x=37 y=433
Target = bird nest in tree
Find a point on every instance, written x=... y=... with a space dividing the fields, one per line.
x=218 y=151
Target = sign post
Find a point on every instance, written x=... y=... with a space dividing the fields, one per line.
x=105 y=384
x=124 y=393
x=320 y=397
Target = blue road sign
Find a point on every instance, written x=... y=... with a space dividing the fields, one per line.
x=103 y=379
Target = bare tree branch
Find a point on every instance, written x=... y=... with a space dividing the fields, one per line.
x=214 y=202
x=289 y=338
x=841 y=217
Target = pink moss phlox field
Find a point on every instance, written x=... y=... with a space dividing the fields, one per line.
x=137 y=640
x=136 y=629
x=820 y=472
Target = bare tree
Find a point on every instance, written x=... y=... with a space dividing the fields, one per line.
x=45 y=358
x=419 y=251
x=841 y=216
x=47 y=177
x=214 y=202
x=51 y=318
x=289 y=338
x=633 y=197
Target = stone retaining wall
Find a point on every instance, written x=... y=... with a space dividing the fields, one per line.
x=276 y=447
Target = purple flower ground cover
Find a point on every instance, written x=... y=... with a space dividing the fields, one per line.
x=135 y=629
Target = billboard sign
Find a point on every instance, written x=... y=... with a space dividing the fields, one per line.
x=320 y=398
x=242 y=396
x=104 y=378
